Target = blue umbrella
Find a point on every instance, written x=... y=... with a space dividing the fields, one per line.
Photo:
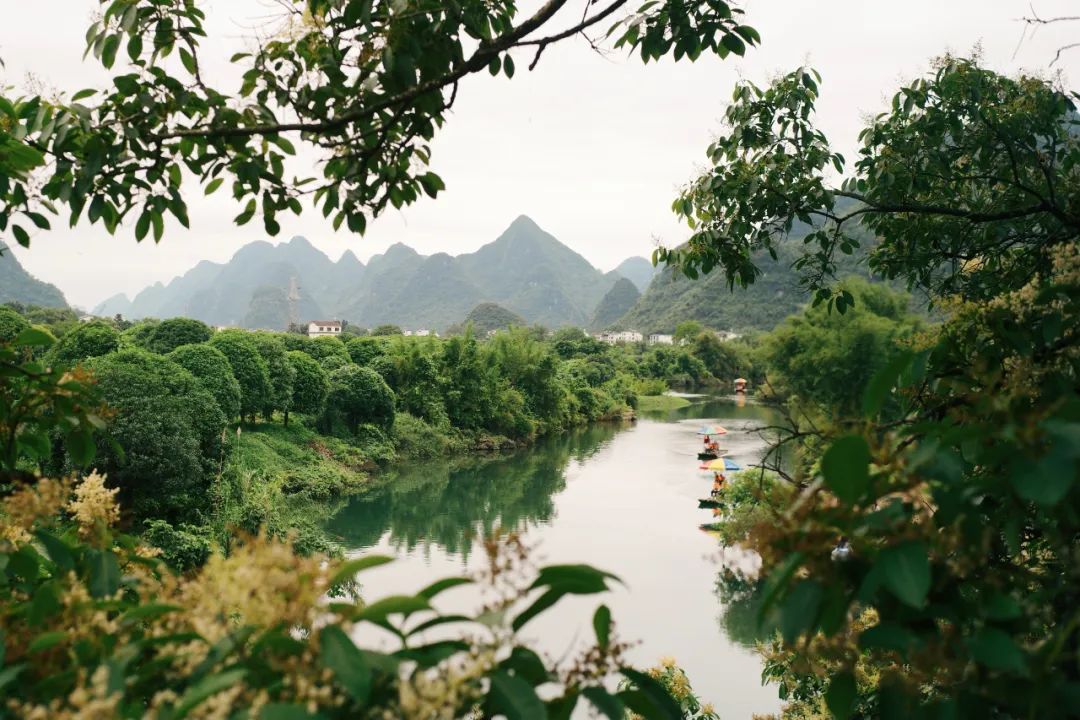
x=730 y=464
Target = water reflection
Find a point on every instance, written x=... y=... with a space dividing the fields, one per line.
x=450 y=505
x=622 y=498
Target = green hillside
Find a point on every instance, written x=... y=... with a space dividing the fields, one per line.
x=486 y=317
x=17 y=285
x=618 y=301
x=638 y=270
x=672 y=297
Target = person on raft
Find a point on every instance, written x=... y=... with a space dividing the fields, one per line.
x=718 y=483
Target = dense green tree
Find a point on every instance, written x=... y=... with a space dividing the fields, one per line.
x=363 y=350
x=467 y=385
x=211 y=368
x=572 y=342
x=382 y=330
x=827 y=358
x=411 y=370
x=272 y=349
x=954 y=478
x=687 y=330
x=167 y=428
x=359 y=395
x=724 y=360
x=331 y=352
x=170 y=334
x=248 y=367
x=530 y=367
x=311 y=384
x=139 y=334
x=90 y=339
x=11 y=324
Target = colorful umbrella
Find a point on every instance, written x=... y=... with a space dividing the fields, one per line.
x=723 y=464
x=711 y=430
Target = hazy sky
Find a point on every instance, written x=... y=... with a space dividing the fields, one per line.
x=592 y=148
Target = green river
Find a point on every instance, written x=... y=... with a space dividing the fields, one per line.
x=620 y=497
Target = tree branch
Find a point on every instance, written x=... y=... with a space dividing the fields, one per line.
x=476 y=62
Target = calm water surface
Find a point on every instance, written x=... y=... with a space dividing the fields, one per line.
x=622 y=498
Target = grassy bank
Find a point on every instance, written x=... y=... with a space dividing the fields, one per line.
x=660 y=403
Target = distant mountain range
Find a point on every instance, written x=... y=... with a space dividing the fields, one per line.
x=17 y=285
x=525 y=270
x=672 y=297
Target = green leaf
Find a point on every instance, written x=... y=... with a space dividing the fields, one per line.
x=143 y=225
x=508 y=65
x=21 y=236
x=58 y=550
x=345 y=660
x=348 y=569
x=886 y=636
x=846 y=467
x=602 y=625
x=287 y=711
x=605 y=702
x=8 y=674
x=996 y=650
x=776 y=582
x=83 y=94
x=541 y=604
x=206 y=688
x=800 y=610
x=104 y=575
x=33 y=337
x=574 y=579
x=45 y=641
x=440 y=586
x=526 y=664
x=513 y=697
x=883 y=381
x=108 y=50
x=431 y=183
x=905 y=569
x=650 y=698
x=433 y=653
x=379 y=610
x=213 y=185
x=188 y=60
x=1046 y=481
x=840 y=697
x=158 y=221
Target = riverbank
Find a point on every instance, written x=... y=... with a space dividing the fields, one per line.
x=285 y=480
x=661 y=403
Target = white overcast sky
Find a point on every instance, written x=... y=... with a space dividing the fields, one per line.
x=592 y=148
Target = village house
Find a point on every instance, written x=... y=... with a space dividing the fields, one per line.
x=661 y=339
x=612 y=337
x=324 y=328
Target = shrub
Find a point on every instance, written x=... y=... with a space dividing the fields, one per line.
x=311 y=384
x=184 y=547
x=92 y=339
x=359 y=395
x=170 y=334
x=248 y=367
x=212 y=369
x=168 y=430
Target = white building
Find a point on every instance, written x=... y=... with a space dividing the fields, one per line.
x=625 y=336
x=418 y=333
x=324 y=328
x=660 y=339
